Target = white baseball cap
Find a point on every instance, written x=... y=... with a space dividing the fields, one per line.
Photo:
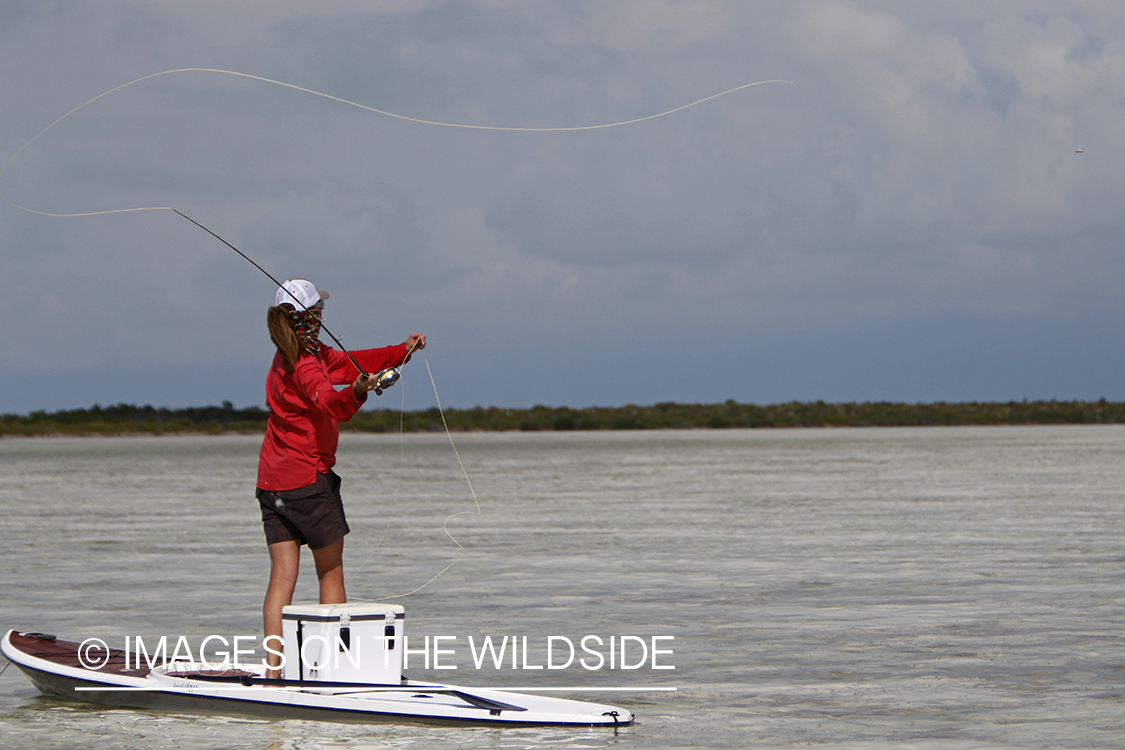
x=301 y=293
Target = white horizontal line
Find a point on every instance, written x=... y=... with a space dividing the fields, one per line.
x=362 y=689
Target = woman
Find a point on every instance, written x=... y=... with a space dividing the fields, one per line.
x=298 y=492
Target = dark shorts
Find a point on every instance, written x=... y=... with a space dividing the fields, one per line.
x=312 y=515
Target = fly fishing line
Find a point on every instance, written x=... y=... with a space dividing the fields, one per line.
x=401 y=466
x=445 y=525
x=416 y=120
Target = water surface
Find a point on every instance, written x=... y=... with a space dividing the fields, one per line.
x=929 y=588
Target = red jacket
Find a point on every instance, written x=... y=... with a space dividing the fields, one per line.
x=306 y=411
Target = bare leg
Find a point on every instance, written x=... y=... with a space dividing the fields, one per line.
x=285 y=557
x=330 y=572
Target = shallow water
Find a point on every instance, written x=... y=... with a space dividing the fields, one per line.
x=928 y=588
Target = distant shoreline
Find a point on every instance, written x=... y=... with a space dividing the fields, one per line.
x=125 y=419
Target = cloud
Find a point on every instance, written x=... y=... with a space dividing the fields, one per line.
x=922 y=169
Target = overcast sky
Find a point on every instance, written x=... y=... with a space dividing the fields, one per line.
x=910 y=221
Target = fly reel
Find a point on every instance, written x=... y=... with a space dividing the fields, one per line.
x=386 y=379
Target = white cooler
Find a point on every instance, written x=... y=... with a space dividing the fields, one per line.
x=343 y=643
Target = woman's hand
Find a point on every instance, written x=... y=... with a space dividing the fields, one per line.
x=413 y=343
x=364 y=383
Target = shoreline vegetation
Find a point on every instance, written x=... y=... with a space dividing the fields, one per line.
x=125 y=419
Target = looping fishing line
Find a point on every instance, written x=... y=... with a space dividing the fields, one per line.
x=394 y=500
x=385 y=113
x=445 y=525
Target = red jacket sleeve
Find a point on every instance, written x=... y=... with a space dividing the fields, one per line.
x=317 y=385
x=340 y=367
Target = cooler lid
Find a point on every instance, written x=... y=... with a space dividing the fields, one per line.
x=355 y=612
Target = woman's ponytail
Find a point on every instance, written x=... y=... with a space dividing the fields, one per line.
x=283 y=337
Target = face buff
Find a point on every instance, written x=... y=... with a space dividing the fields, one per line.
x=306 y=324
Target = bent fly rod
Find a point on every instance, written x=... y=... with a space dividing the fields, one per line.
x=384 y=379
